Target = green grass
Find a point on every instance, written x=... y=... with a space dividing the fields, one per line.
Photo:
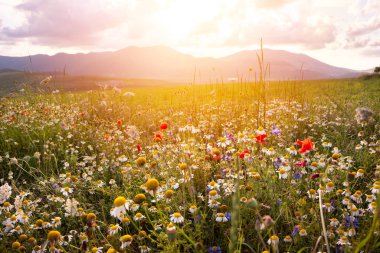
x=52 y=141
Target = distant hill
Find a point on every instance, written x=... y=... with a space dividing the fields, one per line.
x=163 y=63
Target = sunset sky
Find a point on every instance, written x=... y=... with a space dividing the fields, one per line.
x=343 y=33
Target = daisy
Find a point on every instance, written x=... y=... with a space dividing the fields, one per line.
x=334 y=222
x=177 y=218
x=288 y=239
x=56 y=221
x=144 y=249
x=328 y=207
x=359 y=173
x=282 y=173
x=375 y=189
x=213 y=194
x=138 y=216
x=66 y=191
x=213 y=203
x=303 y=232
x=312 y=194
x=97 y=250
x=273 y=240
x=220 y=217
x=113 y=229
x=351 y=232
x=125 y=240
x=343 y=241
x=213 y=185
x=193 y=209
x=330 y=186
x=135 y=207
x=292 y=150
x=119 y=207
x=372 y=207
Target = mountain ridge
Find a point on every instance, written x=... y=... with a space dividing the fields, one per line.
x=165 y=63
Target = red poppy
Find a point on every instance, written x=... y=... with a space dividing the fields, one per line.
x=242 y=155
x=306 y=145
x=301 y=163
x=261 y=138
x=138 y=147
x=119 y=122
x=157 y=137
x=163 y=126
x=314 y=176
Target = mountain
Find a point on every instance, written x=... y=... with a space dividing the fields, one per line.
x=163 y=63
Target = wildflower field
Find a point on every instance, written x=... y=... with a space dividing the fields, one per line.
x=242 y=167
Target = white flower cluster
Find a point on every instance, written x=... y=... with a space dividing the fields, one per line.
x=5 y=193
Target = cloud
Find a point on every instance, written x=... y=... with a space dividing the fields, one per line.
x=245 y=27
x=272 y=4
x=370 y=26
x=355 y=42
x=373 y=52
x=65 y=23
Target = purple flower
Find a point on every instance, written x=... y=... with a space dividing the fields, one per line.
x=215 y=249
x=276 y=130
x=278 y=163
x=230 y=137
x=295 y=231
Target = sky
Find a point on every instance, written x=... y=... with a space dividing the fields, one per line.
x=344 y=33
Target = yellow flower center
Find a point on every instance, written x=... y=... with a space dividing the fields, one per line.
x=119 y=201
x=213 y=193
x=152 y=184
x=54 y=235
x=274 y=238
x=177 y=215
x=126 y=238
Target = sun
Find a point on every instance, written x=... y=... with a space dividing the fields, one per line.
x=180 y=19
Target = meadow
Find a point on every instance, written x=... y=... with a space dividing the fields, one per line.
x=287 y=166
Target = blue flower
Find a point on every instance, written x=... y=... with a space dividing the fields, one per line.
x=354 y=220
x=215 y=249
x=228 y=216
x=297 y=175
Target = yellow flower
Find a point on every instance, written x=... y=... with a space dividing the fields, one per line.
x=183 y=166
x=139 y=198
x=119 y=201
x=141 y=161
x=16 y=245
x=54 y=235
x=169 y=194
x=152 y=184
x=126 y=238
